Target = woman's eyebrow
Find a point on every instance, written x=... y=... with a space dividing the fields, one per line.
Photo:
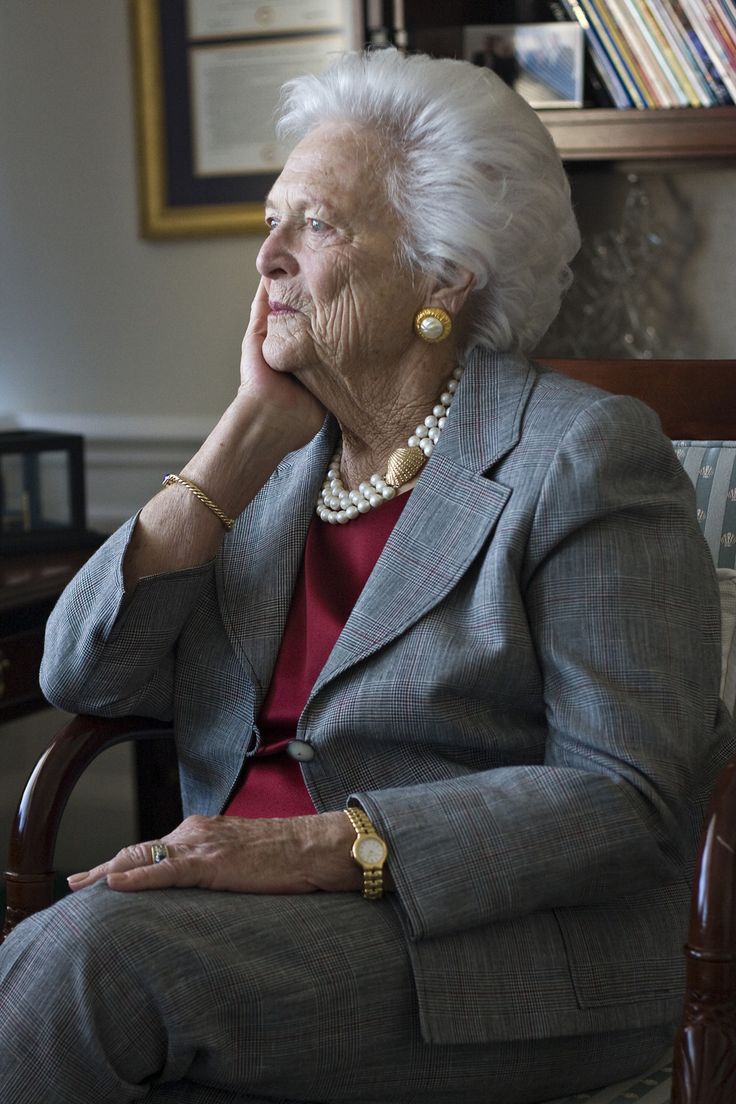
x=302 y=202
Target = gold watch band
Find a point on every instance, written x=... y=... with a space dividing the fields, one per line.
x=369 y=851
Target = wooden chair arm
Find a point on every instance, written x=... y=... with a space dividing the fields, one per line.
x=29 y=879
x=705 y=1050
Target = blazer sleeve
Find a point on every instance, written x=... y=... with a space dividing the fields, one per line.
x=109 y=657
x=622 y=606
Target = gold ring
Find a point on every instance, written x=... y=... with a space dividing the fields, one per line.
x=159 y=852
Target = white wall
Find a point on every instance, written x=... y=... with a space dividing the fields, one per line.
x=95 y=321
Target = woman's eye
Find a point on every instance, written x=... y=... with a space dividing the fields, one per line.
x=271 y=222
x=316 y=224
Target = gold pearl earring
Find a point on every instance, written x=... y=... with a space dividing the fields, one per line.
x=432 y=324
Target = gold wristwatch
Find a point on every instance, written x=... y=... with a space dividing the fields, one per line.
x=370 y=852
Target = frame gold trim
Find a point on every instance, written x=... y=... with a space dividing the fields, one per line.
x=157 y=218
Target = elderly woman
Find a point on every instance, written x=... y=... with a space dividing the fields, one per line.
x=412 y=578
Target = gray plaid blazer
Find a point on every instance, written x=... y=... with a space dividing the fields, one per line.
x=524 y=698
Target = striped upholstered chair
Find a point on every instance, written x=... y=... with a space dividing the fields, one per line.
x=696 y=402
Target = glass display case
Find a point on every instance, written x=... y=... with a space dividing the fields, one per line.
x=42 y=494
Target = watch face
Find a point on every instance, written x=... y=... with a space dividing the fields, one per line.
x=370 y=851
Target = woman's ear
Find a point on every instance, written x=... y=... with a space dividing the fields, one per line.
x=452 y=297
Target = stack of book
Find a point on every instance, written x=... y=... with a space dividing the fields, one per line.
x=660 y=53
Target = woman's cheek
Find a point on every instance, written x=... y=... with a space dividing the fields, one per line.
x=335 y=326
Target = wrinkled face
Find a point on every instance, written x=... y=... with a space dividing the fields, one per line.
x=339 y=304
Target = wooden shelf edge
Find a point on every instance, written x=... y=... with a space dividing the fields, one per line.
x=609 y=134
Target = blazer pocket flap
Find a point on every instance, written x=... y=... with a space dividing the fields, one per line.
x=628 y=950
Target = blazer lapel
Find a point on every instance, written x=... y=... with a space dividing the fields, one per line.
x=258 y=566
x=451 y=512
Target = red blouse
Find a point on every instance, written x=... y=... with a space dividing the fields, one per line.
x=337 y=562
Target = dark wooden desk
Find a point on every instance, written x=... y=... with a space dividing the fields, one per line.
x=29 y=587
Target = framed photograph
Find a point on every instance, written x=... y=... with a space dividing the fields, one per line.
x=207 y=74
x=543 y=62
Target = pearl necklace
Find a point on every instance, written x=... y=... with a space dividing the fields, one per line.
x=338 y=505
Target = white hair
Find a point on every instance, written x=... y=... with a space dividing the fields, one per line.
x=471 y=172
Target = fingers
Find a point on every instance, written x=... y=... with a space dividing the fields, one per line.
x=258 y=323
x=136 y=855
x=255 y=334
x=162 y=875
x=133 y=867
x=260 y=299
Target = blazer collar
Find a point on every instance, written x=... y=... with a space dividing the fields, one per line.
x=485 y=421
x=452 y=511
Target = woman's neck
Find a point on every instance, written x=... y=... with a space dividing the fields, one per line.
x=384 y=422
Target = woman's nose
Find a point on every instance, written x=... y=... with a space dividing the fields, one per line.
x=275 y=257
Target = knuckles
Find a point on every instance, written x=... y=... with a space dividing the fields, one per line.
x=133 y=854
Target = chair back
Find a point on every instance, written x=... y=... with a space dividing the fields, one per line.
x=696 y=403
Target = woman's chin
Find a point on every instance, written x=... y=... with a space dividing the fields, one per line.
x=292 y=353
x=279 y=354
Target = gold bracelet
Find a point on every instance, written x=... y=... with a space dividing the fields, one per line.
x=167 y=481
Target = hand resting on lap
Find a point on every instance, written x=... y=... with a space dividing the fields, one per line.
x=279 y=855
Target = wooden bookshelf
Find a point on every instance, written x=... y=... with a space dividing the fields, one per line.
x=608 y=134
x=587 y=134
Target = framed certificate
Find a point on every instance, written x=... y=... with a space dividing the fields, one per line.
x=207 y=74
